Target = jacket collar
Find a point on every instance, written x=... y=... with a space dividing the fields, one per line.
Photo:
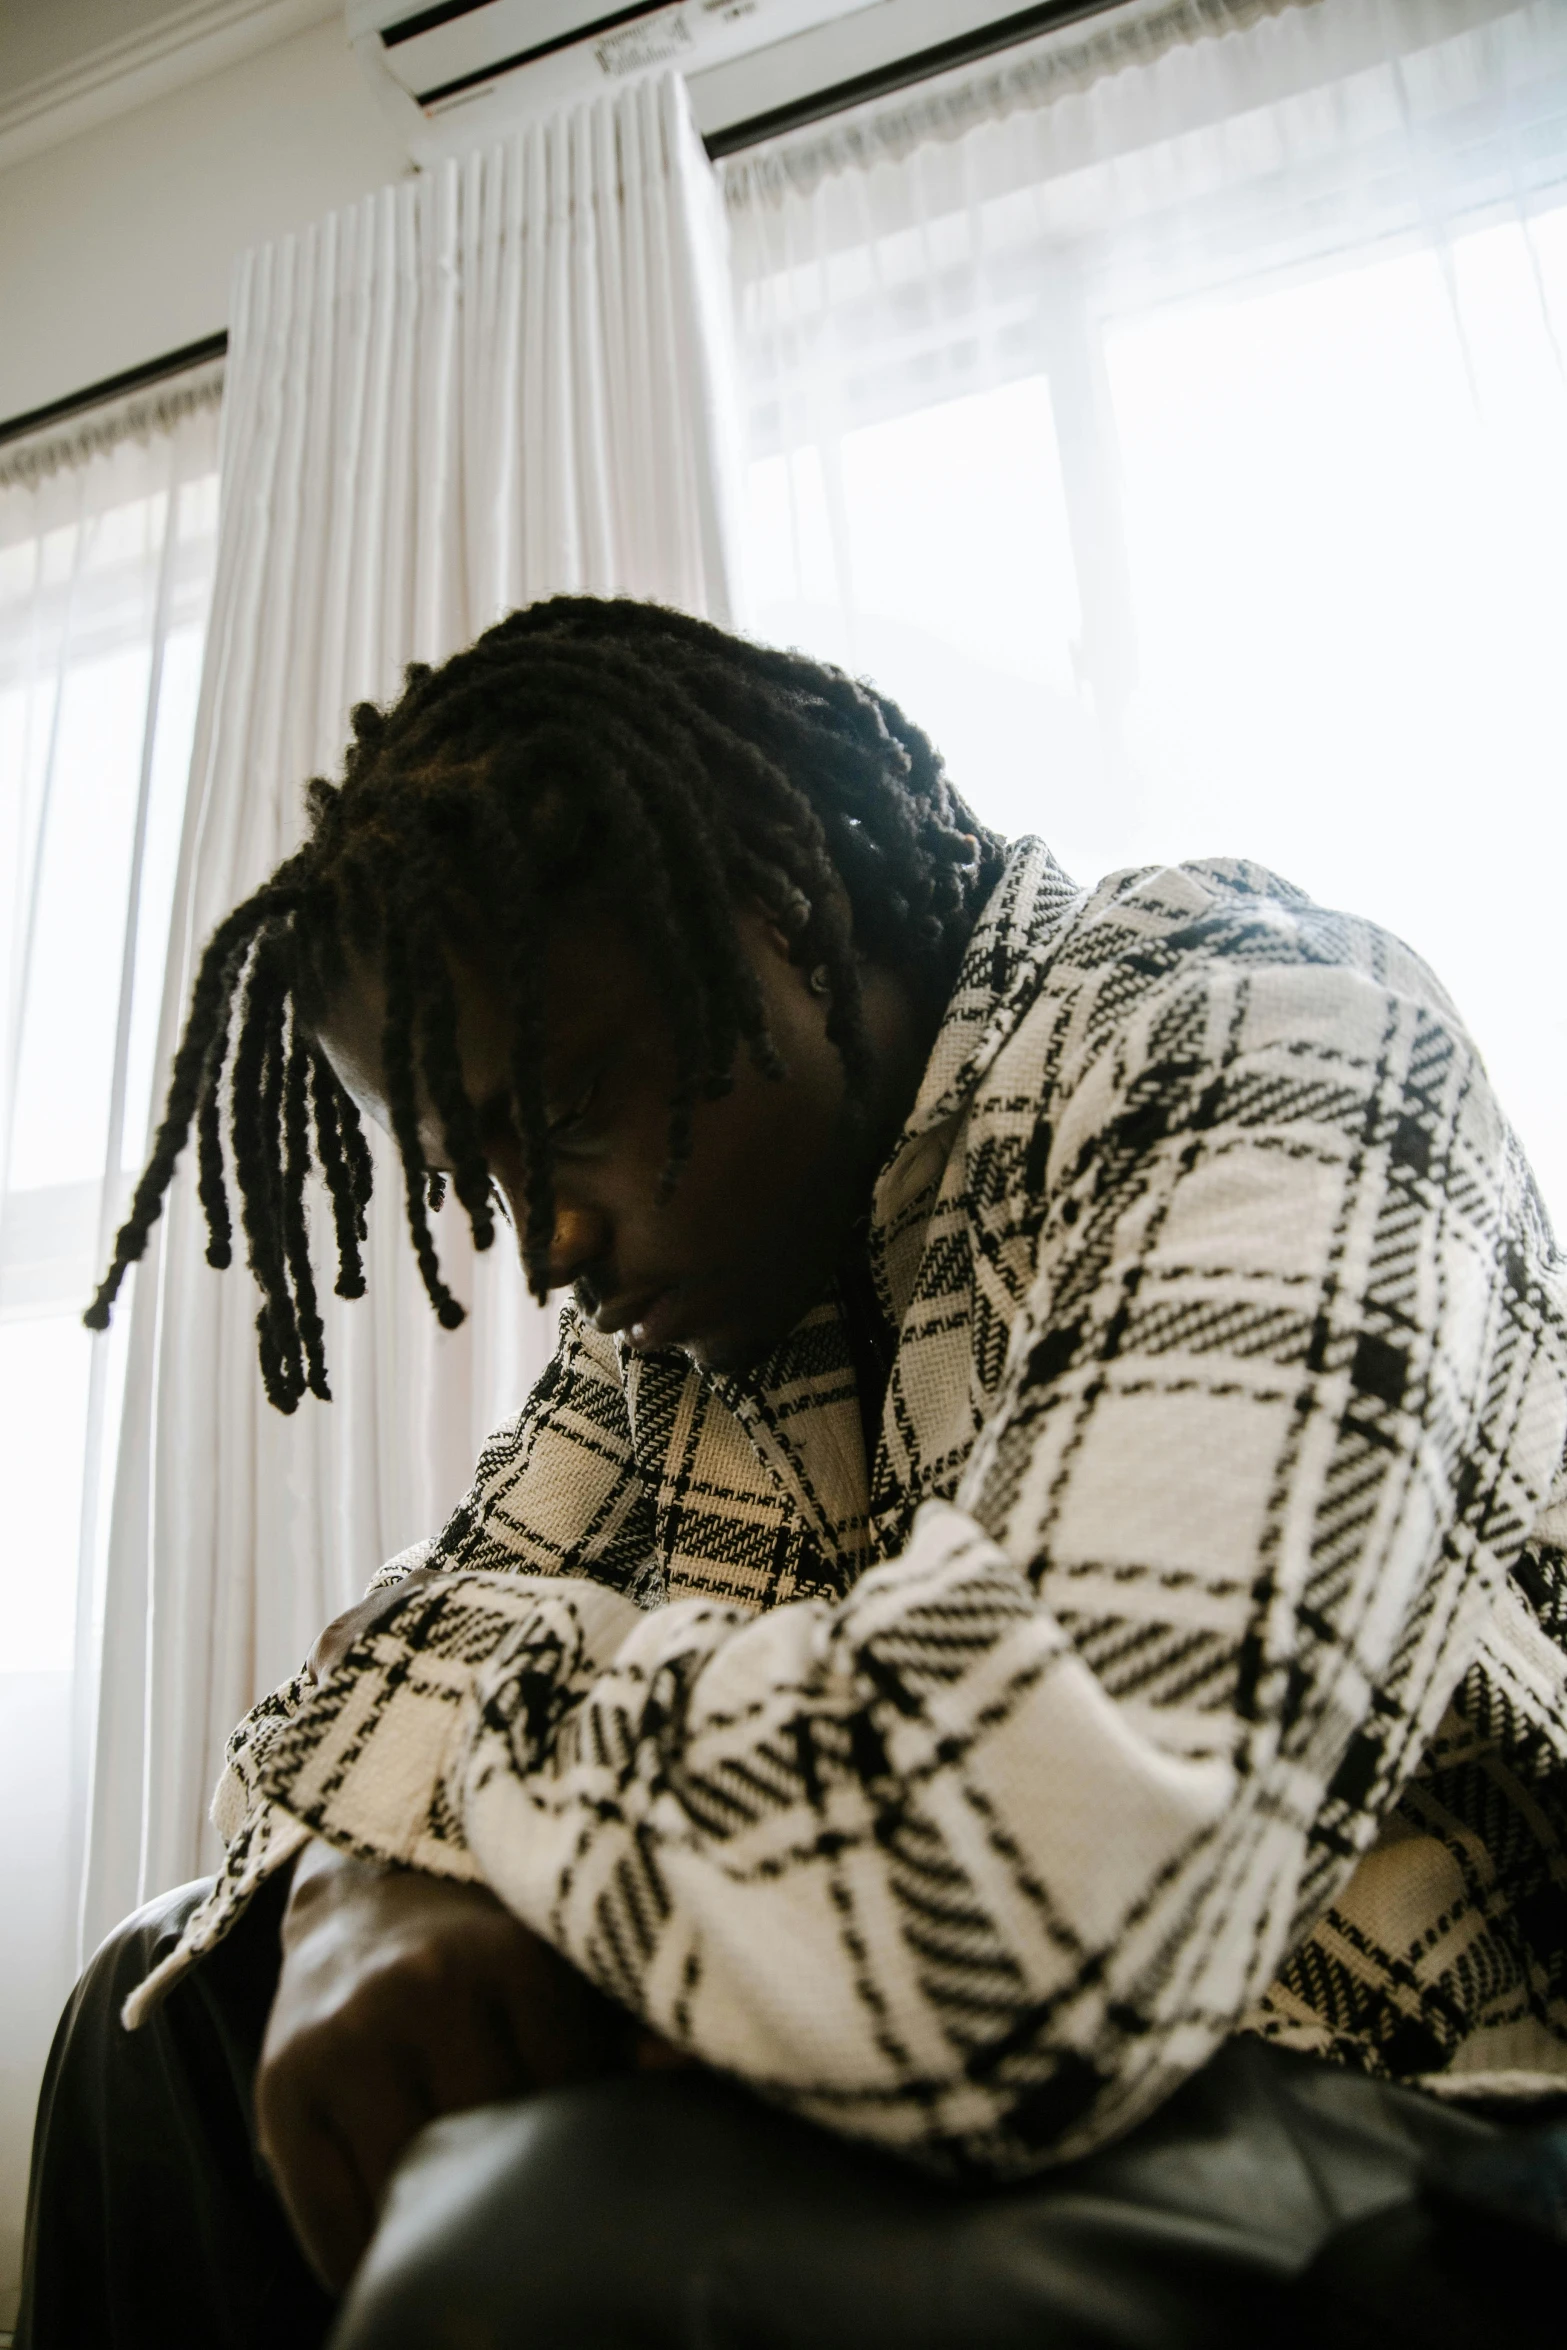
x=798 y=1407
x=1014 y=942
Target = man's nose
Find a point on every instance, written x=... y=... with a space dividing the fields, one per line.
x=580 y=1239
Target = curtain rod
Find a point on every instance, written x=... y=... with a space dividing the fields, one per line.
x=114 y=387
x=923 y=65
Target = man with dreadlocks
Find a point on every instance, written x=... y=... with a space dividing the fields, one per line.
x=983 y=1761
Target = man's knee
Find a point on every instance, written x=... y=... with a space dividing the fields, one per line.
x=590 y=2216
x=671 y=2210
x=147 y=2219
x=128 y=1954
x=89 y=2029
x=484 y=2199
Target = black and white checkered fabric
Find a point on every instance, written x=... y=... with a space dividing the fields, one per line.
x=1192 y=1656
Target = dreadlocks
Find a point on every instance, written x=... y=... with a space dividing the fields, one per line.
x=578 y=743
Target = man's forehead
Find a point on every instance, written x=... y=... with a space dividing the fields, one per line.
x=594 y=984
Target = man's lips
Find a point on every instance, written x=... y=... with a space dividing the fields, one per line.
x=649 y=1319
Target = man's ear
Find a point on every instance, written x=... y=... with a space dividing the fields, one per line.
x=776 y=928
x=777 y=938
x=783 y=929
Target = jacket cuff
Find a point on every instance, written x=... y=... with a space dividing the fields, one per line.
x=373 y=1761
x=268 y=1839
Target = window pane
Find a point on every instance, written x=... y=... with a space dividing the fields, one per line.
x=1346 y=502
x=181 y=684
x=1321 y=516
x=104 y=581
x=931 y=553
x=44 y=1369
x=73 y=990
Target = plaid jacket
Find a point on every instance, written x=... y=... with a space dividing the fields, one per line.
x=1192 y=1656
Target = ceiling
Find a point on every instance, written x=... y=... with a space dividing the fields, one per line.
x=41 y=38
x=66 y=64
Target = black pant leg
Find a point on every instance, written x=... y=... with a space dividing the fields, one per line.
x=674 y=2212
x=1273 y=2200
x=150 y=2219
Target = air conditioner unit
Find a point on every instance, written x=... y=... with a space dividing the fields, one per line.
x=460 y=71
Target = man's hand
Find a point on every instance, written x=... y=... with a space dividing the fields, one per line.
x=401 y=1997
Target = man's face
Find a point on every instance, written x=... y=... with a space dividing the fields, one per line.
x=777 y=1174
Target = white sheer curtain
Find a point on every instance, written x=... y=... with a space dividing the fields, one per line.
x=1174 y=415
x=106 y=547
x=497 y=381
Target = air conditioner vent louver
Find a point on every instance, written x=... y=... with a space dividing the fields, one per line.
x=459 y=71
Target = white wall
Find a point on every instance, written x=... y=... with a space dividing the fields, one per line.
x=116 y=245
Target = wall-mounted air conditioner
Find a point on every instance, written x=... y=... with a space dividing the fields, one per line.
x=460 y=71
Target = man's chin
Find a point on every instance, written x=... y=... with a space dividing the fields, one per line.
x=726 y=1355
x=736 y=1346
x=734 y=1353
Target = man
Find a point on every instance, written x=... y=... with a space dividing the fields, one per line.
x=994 y=1728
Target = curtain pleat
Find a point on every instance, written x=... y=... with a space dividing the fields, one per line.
x=498 y=381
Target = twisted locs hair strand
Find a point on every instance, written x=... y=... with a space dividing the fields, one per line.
x=580 y=744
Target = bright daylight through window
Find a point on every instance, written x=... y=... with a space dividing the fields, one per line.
x=105 y=566
x=1287 y=585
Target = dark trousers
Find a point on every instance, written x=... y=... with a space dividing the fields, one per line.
x=1272 y=2201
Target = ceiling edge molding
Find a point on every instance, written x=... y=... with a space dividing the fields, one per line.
x=182 y=47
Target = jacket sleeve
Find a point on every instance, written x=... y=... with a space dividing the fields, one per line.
x=556 y=1491
x=981 y=1861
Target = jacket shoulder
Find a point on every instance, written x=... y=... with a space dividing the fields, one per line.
x=1157 y=927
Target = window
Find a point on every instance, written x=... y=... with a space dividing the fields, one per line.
x=1204 y=494
x=105 y=567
